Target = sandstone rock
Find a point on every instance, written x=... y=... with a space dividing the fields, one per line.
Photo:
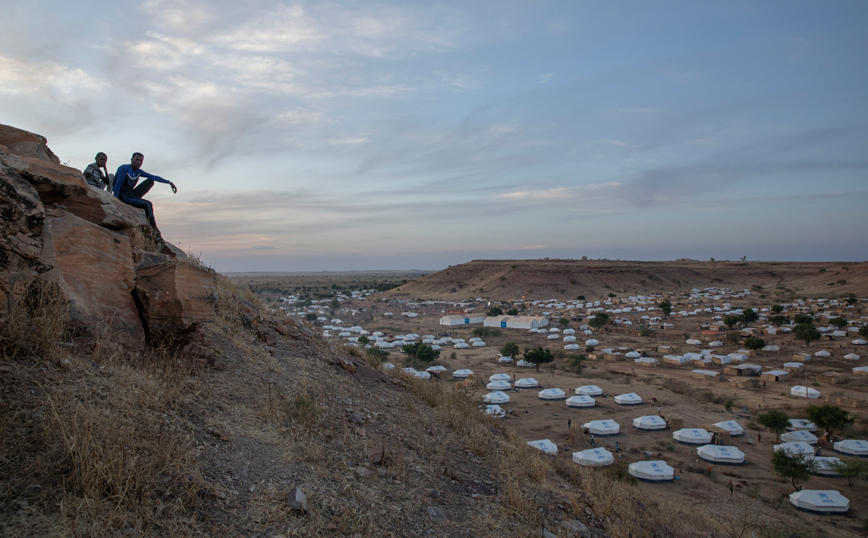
x=95 y=270
x=575 y=527
x=22 y=217
x=26 y=144
x=297 y=500
x=174 y=298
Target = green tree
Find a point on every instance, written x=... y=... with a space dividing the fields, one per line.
x=420 y=352
x=777 y=309
x=806 y=332
x=666 y=306
x=851 y=299
x=512 y=312
x=829 y=417
x=863 y=331
x=749 y=315
x=612 y=294
x=377 y=355
x=575 y=361
x=538 y=356
x=851 y=469
x=580 y=298
x=510 y=349
x=599 y=320
x=803 y=318
x=779 y=320
x=776 y=421
x=838 y=322
x=731 y=320
x=334 y=305
x=564 y=322
x=311 y=317
x=495 y=311
x=796 y=467
x=647 y=331
x=364 y=340
x=754 y=342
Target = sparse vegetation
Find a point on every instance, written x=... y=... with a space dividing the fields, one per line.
x=806 y=332
x=538 y=355
x=754 y=342
x=795 y=467
x=776 y=421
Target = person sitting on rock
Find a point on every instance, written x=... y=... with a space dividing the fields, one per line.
x=126 y=189
x=96 y=173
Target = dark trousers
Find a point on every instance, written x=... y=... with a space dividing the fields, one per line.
x=134 y=198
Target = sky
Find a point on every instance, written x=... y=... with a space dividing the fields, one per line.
x=358 y=135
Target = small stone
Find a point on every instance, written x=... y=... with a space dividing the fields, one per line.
x=357 y=418
x=65 y=363
x=576 y=528
x=298 y=500
x=547 y=534
x=433 y=493
x=435 y=513
x=361 y=472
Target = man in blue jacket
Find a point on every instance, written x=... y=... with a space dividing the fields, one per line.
x=126 y=189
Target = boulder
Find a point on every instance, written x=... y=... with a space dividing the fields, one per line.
x=58 y=184
x=94 y=267
x=174 y=298
x=22 y=217
x=26 y=144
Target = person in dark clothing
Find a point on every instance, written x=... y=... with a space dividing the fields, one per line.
x=127 y=191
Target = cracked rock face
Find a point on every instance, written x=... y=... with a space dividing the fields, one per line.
x=100 y=250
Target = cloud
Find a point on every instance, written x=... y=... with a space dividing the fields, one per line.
x=17 y=77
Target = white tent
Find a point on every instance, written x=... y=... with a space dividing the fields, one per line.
x=545 y=445
x=795 y=447
x=859 y=342
x=495 y=410
x=823 y=466
x=572 y=347
x=526 y=383
x=649 y=423
x=504 y=360
x=436 y=369
x=675 y=359
x=645 y=360
x=387 y=366
x=525 y=364
x=693 y=342
x=462 y=319
x=499 y=377
x=804 y=392
x=822 y=353
x=799 y=435
x=692 y=436
x=581 y=401
x=462 y=374
x=629 y=398
x=851 y=357
x=552 y=394
x=499 y=385
x=498 y=397
x=734 y=429
x=852 y=447
x=602 y=427
x=801 y=424
x=479 y=343
x=860 y=370
x=824 y=501
x=633 y=355
x=724 y=455
x=589 y=390
x=652 y=471
x=594 y=457
x=592 y=342
x=422 y=375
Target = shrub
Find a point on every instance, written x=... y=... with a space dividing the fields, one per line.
x=754 y=342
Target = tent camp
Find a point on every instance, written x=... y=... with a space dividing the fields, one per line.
x=552 y=394
x=730 y=426
x=852 y=447
x=581 y=401
x=629 y=398
x=498 y=397
x=795 y=447
x=851 y=357
x=462 y=374
x=462 y=319
x=804 y=392
x=545 y=445
x=649 y=423
x=723 y=455
x=594 y=457
x=526 y=383
x=799 y=435
x=602 y=428
x=499 y=385
x=652 y=471
x=823 y=501
x=589 y=390
x=692 y=436
x=499 y=377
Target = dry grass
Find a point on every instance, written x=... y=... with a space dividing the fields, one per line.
x=37 y=322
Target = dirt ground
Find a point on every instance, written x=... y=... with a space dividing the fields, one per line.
x=695 y=487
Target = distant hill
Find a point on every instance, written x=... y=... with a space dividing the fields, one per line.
x=595 y=279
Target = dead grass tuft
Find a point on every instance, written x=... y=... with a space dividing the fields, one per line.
x=37 y=322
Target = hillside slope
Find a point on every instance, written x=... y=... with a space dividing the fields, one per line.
x=507 y=280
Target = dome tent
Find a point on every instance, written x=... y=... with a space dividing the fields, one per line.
x=580 y=401
x=723 y=455
x=652 y=471
x=852 y=447
x=594 y=457
x=649 y=423
x=692 y=436
x=823 y=501
x=602 y=428
x=545 y=445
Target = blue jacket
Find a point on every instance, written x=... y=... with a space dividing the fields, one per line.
x=129 y=177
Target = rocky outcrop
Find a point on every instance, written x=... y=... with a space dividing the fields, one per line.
x=117 y=280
